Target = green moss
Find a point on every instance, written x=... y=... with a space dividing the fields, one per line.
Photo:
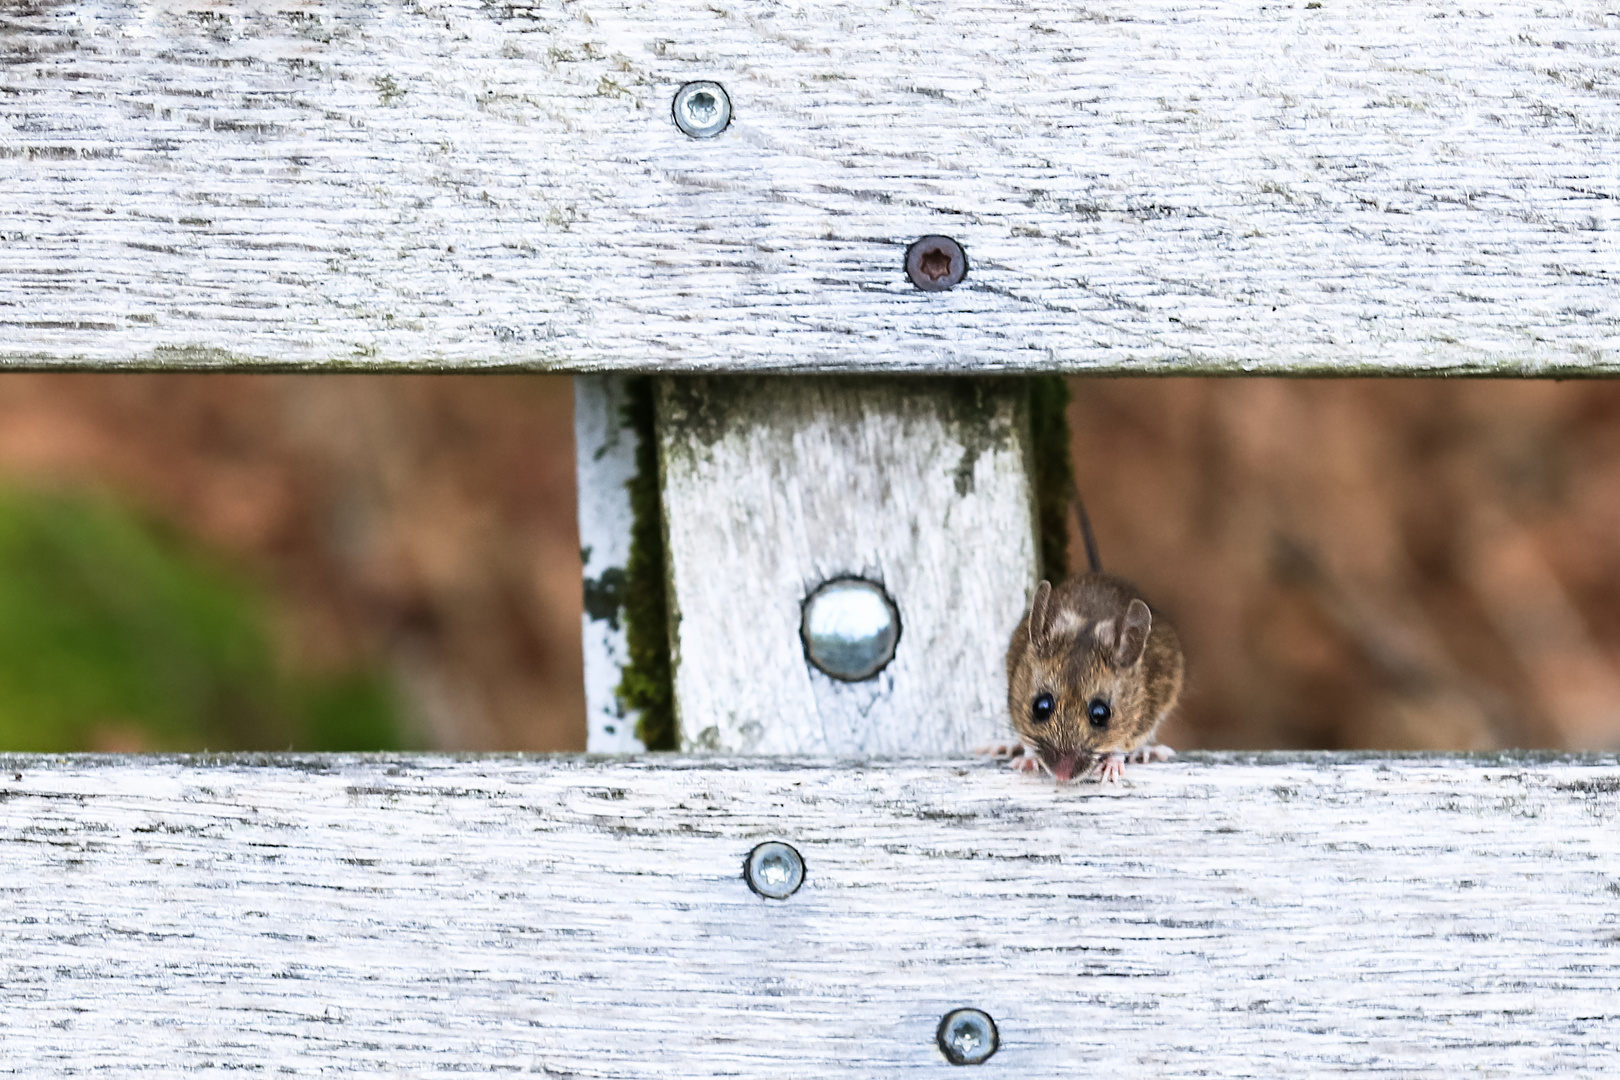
x=973 y=411
x=646 y=684
x=1053 y=470
x=604 y=595
x=351 y=711
x=115 y=633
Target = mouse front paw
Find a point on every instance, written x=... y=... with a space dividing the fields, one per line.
x=1002 y=751
x=1145 y=754
x=1111 y=769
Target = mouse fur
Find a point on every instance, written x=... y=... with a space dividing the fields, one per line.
x=1093 y=638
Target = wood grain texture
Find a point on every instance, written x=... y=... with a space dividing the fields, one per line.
x=773 y=486
x=1152 y=185
x=605 y=460
x=1227 y=916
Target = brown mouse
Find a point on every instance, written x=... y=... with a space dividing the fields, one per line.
x=1091 y=671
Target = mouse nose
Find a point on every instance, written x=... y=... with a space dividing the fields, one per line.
x=1063 y=766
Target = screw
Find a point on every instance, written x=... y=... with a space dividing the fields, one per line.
x=702 y=109
x=967 y=1037
x=936 y=263
x=774 y=870
x=849 y=628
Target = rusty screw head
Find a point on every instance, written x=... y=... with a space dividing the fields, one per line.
x=936 y=263
x=967 y=1037
x=702 y=109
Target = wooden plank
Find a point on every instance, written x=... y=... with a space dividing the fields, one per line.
x=1227 y=916
x=605 y=457
x=1352 y=185
x=774 y=486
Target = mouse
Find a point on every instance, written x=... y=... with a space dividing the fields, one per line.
x=1092 y=670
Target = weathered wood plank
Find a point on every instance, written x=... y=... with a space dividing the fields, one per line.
x=773 y=486
x=1228 y=916
x=605 y=457
x=1147 y=185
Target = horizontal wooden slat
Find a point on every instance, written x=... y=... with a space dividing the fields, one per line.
x=1141 y=185
x=1227 y=915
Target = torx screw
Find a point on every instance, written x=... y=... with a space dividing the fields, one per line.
x=968 y=1037
x=702 y=109
x=936 y=263
x=774 y=870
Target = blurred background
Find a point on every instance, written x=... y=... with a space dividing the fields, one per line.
x=349 y=562
x=1384 y=564
x=268 y=561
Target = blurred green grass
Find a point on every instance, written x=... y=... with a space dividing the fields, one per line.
x=116 y=633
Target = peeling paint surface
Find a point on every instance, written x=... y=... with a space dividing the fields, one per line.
x=605 y=460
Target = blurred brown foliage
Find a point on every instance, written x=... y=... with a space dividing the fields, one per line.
x=426 y=522
x=1370 y=564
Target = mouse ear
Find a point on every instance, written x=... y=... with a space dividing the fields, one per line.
x=1133 y=634
x=1040 y=615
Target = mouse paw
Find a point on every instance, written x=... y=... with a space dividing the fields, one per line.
x=1002 y=751
x=1025 y=764
x=1111 y=769
x=1156 y=752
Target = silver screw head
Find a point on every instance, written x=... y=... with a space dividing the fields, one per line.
x=968 y=1037
x=702 y=109
x=936 y=263
x=850 y=628
x=774 y=870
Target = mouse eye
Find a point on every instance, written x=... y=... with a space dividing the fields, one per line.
x=1098 y=712
x=1041 y=710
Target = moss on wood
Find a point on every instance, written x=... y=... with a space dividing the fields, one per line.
x=1053 y=470
x=645 y=684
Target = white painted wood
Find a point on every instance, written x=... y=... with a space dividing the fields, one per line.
x=773 y=486
x=1231 y=916
x=605 y=453
x=1407 y=185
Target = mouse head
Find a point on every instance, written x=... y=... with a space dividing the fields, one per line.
x=1077 y=689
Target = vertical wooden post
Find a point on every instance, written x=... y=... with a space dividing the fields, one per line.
x=773 y=486
x=605 y=451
